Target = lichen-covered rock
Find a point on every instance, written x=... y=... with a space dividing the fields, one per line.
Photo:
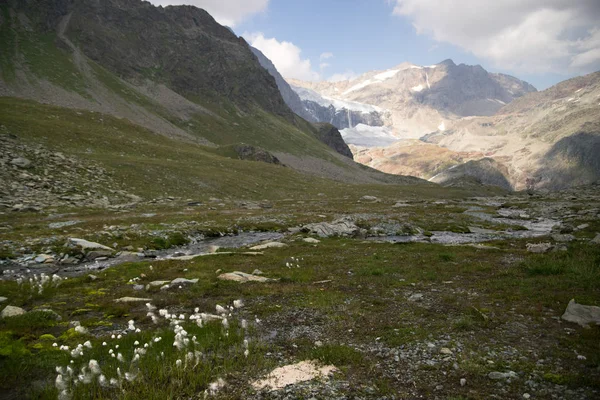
x=582 y=315
x=11 y=311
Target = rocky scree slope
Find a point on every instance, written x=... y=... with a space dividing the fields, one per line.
x=549 y=136
x=172 y=70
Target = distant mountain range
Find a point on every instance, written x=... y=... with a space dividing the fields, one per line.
x=423 y=120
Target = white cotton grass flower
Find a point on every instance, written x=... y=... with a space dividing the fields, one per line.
x=216 y=386
x=114 y=382
x=238 y=303
x=220 y=309
x=136 y=343
x=102 y=381
x=178 y=363
x=130 y=377
x=104 y=344
x=88 y=344
x=197 y=310
x=163 y=312
x=64 y=395
x=150 y=307
x=113 y=337
x=60 y=383
x=138 y=330
x=120 y=357
x=111 y=351
x=117 y=346
x=246 y=353
x=94 y=367
x=54 y=344
x=244 y=324
x=225 y=323
x=119 y=336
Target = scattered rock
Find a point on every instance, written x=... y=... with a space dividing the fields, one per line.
x=138 y=287
x=158 y=283
x=563 y=237
x=446 y=351
x=340 y=227
x=98 y=254
x=21 y=162
x=183 y=281
x=293 y=374
x=44 y=259
x=582 y=315
x=58 y=225
x=257 y=272
x=242 y=277
x=416 y=297
x=495 y=375
x=539 y=248
x=87 y=245
x=82 y=330
x=132 y=300
x=3 y=299
x=11 y=311
x=92 y=277
x=270 y=245
x=371 y=199
x=463 y=381
x=400 y=204
x=311 y=240
x=596 y=240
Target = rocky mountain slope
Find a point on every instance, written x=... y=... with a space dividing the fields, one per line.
x=172 y=70
x=548 y=136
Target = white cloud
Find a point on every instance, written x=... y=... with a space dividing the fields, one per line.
x=322 y=66
x=344 y=76
x=226 y=12
x=527 y=36
x=325 y=56
x=286 y=57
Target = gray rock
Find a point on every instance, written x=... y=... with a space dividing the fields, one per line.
x=270 y=245
x=563 y=237
x=138 y=287
x=372 y=199
x=596 y=240
x=539 y=248
x=242 y=277
x=44 y=259
x=21 y=162
x=416 y=297
x=158 y=283
x=311 y=240
x=87 y=245
x=582 y=315
x=11 y=311
x=340 y=227
x=132 y=300
x=183 y=281
x=58 y=225
x=495 y=375
x=97 y=254
x=3 y=299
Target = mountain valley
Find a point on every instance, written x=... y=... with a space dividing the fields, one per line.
x=178 y=220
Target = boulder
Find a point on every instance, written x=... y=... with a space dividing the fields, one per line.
x=242 y=277
x=183 y=281
x=495 y=375
x=563 y=237
x=87 y=245
x=270 y=245
x=95 y=254
x=582 y=315
x=20 y=162
x=539 y=248
x=11 y=311
x=132 y=300
x=44 y=259
x=340 y=227
x=311 y=240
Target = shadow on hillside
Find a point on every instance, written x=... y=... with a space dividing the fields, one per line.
x=572 y=161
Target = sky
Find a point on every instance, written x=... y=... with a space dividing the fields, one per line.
x=540 y=41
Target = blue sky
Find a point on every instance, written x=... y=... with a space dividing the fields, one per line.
x=541 y=41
